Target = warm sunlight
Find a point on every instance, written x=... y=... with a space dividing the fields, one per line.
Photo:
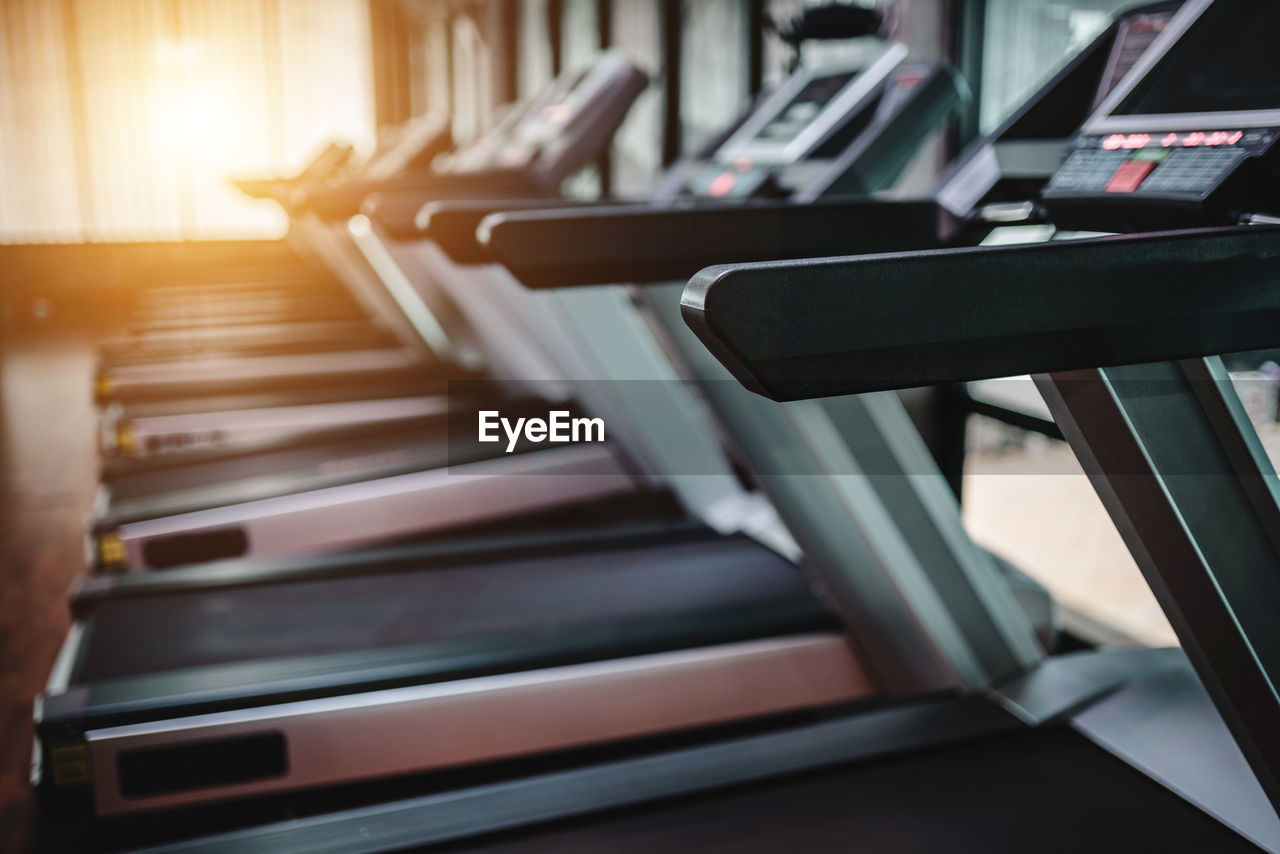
x=148 y=108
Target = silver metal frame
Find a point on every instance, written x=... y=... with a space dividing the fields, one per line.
x=1139 y=723
x=426 y=727
x=349 y=515
x=1176 y=462
x=333 y=243
x=411 y=305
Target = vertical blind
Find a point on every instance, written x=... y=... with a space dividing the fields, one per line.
x=123 y=119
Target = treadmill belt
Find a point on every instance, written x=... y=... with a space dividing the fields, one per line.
x=337 y=393
x=388 y=610
x=1037 y=792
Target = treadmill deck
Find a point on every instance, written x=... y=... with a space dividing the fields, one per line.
x=1041 y=791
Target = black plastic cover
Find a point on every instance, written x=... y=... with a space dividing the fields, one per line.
x=807 y=329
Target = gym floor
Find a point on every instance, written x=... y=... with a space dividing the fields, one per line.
x=48 y=465
x=1033 y=506
x=1050 y=524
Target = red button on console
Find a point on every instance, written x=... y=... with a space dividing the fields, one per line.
x=721 y=184
x=1130 y=174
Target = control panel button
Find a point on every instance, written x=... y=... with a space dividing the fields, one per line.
x=1130 y=174
x=721 y=185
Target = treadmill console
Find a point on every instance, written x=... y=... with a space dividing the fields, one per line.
x=550 y=132
x=1186 y=132
x=806 y=110
x=798 y=132
x=549 y=110
x=807 y=106
x=419 y=141
x=561 y=133
x=1134 y=34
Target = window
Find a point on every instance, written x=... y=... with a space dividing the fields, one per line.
x=123 y=119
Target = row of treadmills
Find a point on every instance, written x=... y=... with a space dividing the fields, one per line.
x=324 y=616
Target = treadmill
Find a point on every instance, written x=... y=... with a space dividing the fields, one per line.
x=163 y=517
x=401 y=350
x=985 y=187
x=499 y=157
x=243 y=419
x=243 y=341
x=217 y=283
x=900 y=101
x=408 y=471
x=257 y=317
x=1060 y=758
x=149 y=428
x=697 y=625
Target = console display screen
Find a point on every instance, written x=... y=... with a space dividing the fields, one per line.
x=1226 y=62
x=808 y=103
x=1137 y=32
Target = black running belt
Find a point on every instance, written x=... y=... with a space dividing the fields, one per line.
x=246 y=281
x=274 y=644
x=336 y=393
x=256 y=683
x=351 y=335
x=381 y=611
x=429 y=370
x=1042 y=791
x=249 y=309
x=330 y=311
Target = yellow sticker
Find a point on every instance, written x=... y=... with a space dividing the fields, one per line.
x=70 y=763
x=111 y=553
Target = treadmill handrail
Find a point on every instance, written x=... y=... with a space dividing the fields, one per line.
x=331 y=158
x=816 y=328
x=403 y=214
x=342 y=200
x=453 y=224
x=646 y=243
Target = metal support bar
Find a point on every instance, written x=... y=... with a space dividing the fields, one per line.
x=1172 y=455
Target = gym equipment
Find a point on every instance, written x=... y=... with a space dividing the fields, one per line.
x=400 y=470
x=535 y=639
x=1123 y=334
